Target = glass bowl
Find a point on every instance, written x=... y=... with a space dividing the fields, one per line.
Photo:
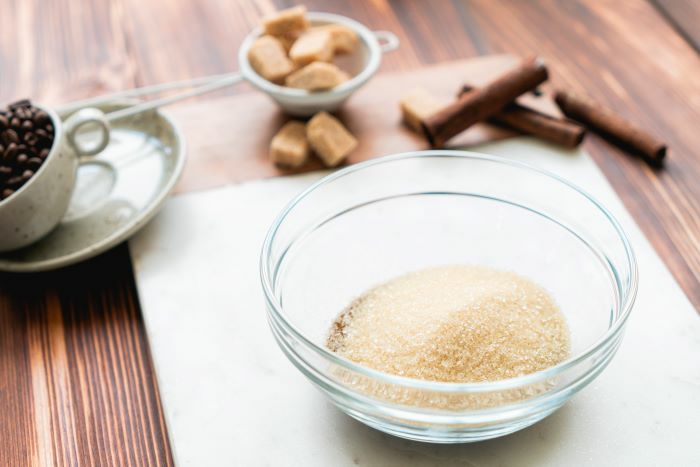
x=374 y=221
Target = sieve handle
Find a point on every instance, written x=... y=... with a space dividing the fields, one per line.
x=229 y=80
x=94 y=116
x=388 y=42
x=87 y=116
x=138 y=92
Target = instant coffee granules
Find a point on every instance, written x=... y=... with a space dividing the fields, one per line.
x=26 y=137
x=453 y=324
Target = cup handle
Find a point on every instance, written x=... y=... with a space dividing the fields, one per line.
x=388 y=41
x=88 y=115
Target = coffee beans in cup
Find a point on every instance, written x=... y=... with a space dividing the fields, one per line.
x=26 y=137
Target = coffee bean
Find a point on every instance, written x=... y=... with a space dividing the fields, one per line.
x=10 y=152
x=41 y=118
x=19 y=104
x=31 y=139
x=34 y=163
x=10 y=136
x=44 y=142
x=44 y=137
x=26 y=138
x=14 y=181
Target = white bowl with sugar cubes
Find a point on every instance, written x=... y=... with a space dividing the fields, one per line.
x=310 y=62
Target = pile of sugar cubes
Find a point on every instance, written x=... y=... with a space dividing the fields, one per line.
x=294 y=54
x=324 y=134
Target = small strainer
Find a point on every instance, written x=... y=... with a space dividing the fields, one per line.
x=362 y=65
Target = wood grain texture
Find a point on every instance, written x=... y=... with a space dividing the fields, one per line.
x=76 y=382
x=683 y=16
x=61 y=50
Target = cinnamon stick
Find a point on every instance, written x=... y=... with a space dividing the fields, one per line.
x=612 y=126
x=532 y=122
x=484 y=102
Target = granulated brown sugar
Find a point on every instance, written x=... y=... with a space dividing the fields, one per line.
x=453 y=324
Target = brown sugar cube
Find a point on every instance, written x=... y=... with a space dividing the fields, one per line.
x=269 y=59
x=291 y=20
x=312 y=46
x=317 y=76
x=343 y=38
x=289 y=147
x=329 y=138
x=288 y=40
x=418 y=105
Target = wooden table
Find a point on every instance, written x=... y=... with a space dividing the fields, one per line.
x=77 y=384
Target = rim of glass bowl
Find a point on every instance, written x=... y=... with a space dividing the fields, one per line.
x=627 y=301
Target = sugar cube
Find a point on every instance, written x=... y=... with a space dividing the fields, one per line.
x=343 y=38
x=289 y=147
x=314 y=45
x=418 y=105
x=331 y=141
x=269 y=59
x=317 y=76
x=291 y=20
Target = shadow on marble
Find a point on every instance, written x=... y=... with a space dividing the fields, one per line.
x=530 y=446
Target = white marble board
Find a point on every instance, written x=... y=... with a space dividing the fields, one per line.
x=231 y=398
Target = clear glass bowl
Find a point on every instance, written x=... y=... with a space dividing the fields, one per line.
x=373 y=221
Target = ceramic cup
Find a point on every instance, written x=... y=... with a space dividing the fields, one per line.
x=40 y=204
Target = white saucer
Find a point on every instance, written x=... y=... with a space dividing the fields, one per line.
x=115 y=195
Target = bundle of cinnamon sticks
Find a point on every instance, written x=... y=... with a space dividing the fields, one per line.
x=496 y=103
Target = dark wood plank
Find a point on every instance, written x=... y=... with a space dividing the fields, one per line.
x=684 y=16
x=76 y=381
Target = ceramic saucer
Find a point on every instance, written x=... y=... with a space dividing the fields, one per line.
x=116 y=193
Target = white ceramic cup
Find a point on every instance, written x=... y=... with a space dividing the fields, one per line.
x=40 y=204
